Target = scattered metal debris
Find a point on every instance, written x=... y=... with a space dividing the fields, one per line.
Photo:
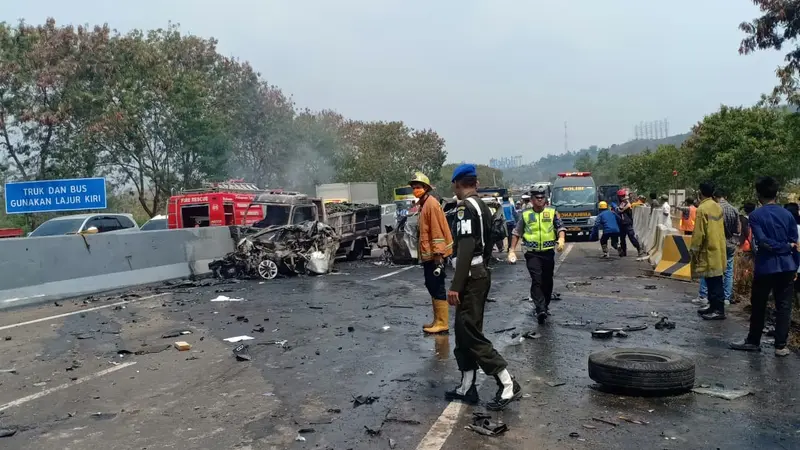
x=556 y=383
x=372 y=431
x=223 y=298
x=238 y=339
x=11 y=371
x=8 y=432
x=637 y=422
x=531 y=335
x=505 y=330
x=573 y=284
x=650 y=287
x=727 y=394
x=665 y=324
x=364 y=400
x=608 y=422
x=175 y=333
x=305 y=248
x=483 y=424
x=242 y=352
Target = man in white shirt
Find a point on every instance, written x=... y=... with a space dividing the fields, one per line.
x=665 y=208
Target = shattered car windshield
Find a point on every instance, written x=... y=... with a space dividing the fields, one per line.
x=574 y=195
x=57 y=227
x=275 y=215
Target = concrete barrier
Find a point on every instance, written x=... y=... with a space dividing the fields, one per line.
x=42 y=269
x=676 y=260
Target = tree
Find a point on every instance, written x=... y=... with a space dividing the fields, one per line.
x=778 y=24
x=161 y=129
x=389 y=153
x=44 y=73
x=652 y=171
x=734 y=146
x=487 y=176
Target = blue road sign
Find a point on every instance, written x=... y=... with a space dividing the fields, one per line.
x=55 y=195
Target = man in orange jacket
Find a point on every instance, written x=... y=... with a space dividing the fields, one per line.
x=435 y=244
x=688 y=217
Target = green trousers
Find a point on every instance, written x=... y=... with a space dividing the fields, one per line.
x=473 y=350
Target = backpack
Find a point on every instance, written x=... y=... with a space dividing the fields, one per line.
x=499 y=229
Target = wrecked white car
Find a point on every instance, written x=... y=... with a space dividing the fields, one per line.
x=305 y=248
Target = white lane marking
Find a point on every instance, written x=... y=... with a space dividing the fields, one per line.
x=445 y=424
x=16 y=299
x=80 y=311
x=61 y=387
x=567 y=249
x=392 y=273
x=441 y=429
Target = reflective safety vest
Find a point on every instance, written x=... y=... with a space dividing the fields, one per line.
x=688 y=217
x=540 y=232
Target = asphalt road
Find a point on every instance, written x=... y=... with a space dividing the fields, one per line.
x=78 y=382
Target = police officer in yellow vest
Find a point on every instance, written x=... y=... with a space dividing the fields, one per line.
x=538 y=229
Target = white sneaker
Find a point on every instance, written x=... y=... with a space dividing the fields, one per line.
x=727 y=302
x=700 y=301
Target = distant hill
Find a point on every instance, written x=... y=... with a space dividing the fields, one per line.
x=546 y=168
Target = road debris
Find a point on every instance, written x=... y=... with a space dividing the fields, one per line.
x=305 y=248
x=573 y=284
x=556 y=383
x=727 y=394
x=634 y=421
x=392 y=443
x=8 y=432
x=182 y=346
x=238 y=339
x=242 y=353
x=608 y=422
x=505 y=330
x=602 y=334
x=483 y=424
x=372 y=431
x=650 y=287
x=531 y=335
x=300 y=438
x=364 y=400
x=305 y=430
x=175 y=333
x=11 y=371
x=665 y=324
x=589 y=427
x=223 y=298
x=147 y=349
x=574 y=434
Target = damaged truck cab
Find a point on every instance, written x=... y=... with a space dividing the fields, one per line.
x=358 y=226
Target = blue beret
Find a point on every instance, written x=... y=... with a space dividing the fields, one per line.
x=464 y=170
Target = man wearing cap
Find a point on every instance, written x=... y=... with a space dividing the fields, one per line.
x=538 y=229
x=468 y=292
x=435 y=244
x=526 y=202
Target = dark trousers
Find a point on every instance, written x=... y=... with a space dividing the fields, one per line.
x=782 y=287
x=472 y=349
x=606 y=236
x=716 y=293
x=510 y=229
x=435 y=284
x=624 y=231
x=541 y=266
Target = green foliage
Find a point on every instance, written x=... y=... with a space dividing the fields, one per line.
x=730 y=148
x=778 y=25
x=487 y=176
x=389 y=153
x=158 y=111
x=548 y=167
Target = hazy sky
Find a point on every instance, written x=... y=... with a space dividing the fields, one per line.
x=494 y=78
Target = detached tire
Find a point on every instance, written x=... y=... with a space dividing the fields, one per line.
x=642 y=370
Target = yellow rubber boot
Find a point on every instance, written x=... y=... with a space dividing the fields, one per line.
x=433 y=322
x=441 y=318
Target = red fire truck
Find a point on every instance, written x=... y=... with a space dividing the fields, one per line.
x=218 y=204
